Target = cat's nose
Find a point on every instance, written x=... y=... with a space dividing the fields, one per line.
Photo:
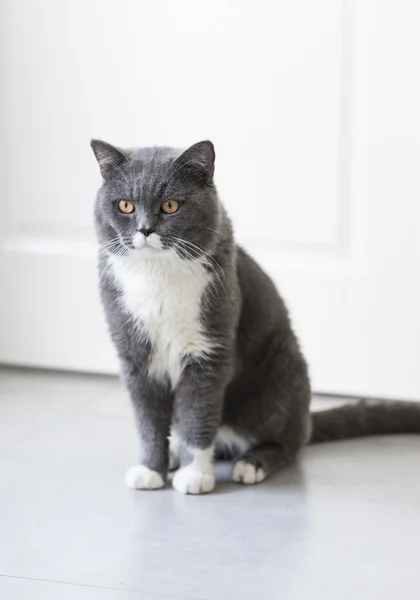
x=145 y=232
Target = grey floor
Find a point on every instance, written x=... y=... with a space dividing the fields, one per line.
x=343 y=524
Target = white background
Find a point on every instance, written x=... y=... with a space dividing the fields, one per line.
x=313 y=108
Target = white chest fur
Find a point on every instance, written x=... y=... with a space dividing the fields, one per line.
x=163 y=297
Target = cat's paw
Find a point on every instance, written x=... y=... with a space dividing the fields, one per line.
x=246 y=472
x=141 y=477
x=190 y=480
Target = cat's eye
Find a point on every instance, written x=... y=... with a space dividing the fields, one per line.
x=126 y=207
x=170 y=207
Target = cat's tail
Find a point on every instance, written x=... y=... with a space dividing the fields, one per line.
x=368 y=417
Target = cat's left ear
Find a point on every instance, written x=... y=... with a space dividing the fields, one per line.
x=109 y=157
x=198 y=162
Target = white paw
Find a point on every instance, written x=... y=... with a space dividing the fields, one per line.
x=189 y=480
x=140 y=477
x=245 y=472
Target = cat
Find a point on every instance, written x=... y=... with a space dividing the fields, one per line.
x=207 y=350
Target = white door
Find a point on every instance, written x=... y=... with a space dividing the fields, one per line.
x=314 y=111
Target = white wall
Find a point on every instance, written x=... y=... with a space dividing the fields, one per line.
x=262 y=80
x=294 y=96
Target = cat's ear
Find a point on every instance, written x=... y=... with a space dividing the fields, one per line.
x=109 y=158
x=198 y=162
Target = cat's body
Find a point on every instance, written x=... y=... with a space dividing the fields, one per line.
x=206 y=346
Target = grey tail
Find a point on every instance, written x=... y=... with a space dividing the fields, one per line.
x=368 y=417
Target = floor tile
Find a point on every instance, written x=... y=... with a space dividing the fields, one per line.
x=343 y=523
x=21 y=589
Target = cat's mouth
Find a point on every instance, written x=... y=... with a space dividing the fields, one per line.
x=150 y=242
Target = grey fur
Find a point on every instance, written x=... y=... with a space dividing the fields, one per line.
x=257 y=381
x=368 y=417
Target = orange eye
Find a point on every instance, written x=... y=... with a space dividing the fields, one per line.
x=126 y=207
x=170 y=207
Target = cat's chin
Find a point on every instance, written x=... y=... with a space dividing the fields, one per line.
x=148 y=251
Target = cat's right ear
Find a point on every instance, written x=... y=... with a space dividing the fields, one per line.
x=198 y=162
x=109 y=158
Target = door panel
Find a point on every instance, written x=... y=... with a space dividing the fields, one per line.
x=313 y=109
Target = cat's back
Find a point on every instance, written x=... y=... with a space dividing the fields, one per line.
x=256 y=285
x=263 y=310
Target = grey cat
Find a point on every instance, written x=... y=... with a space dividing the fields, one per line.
x=206 y=346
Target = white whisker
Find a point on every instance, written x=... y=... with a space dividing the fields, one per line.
x=200 y=253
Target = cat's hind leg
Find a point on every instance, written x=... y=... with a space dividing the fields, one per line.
x=257 y=464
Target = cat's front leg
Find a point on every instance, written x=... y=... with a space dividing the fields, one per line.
x=198 y=406
x=153 y=403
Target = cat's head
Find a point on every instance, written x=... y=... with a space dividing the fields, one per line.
x=155 y=200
